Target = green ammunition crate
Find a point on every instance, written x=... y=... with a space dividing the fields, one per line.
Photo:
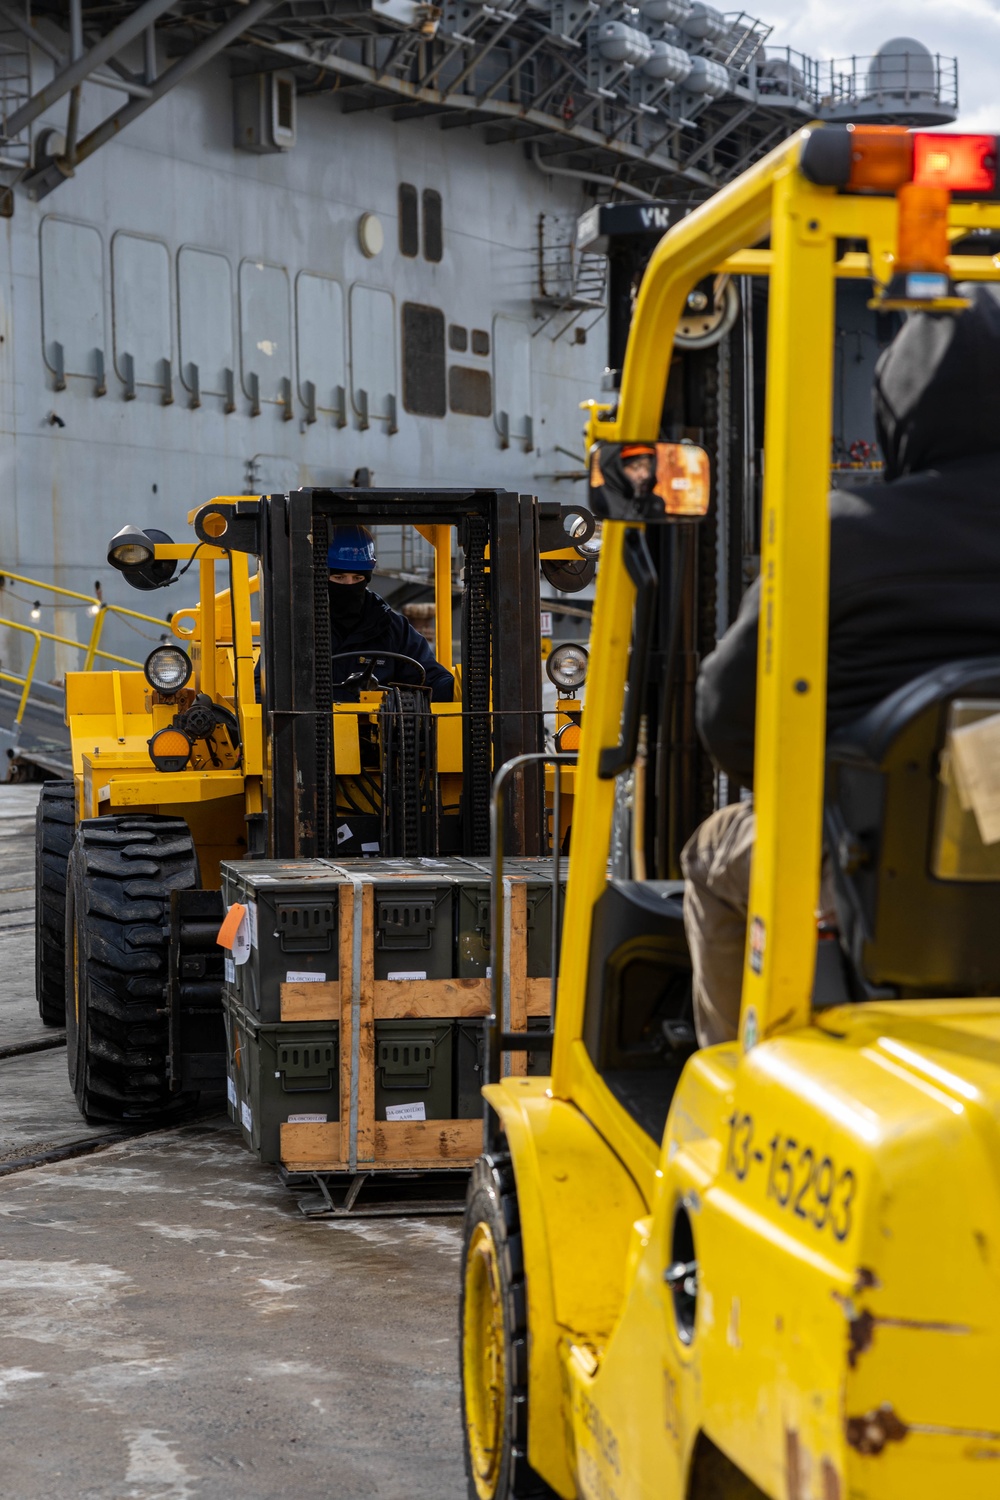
x=296 y=921
x=474 y=917
x=470 y=1064
x=413 y=1062
x=414 y=929
x=280 y=1074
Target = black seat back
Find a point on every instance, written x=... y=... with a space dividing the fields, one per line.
x=905 y=928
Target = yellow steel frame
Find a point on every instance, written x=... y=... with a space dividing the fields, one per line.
x=91 y=648
x=824 y=1162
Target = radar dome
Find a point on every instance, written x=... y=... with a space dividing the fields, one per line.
x=902 y=68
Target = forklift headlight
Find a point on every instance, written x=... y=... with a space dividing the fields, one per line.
x=133 y=553
x=592 y=546
x=170 y=749
x=167 y=669
x=567 y=666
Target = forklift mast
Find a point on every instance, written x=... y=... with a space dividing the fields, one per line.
x=499 y=533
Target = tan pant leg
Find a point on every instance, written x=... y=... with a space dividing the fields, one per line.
x=716 y=865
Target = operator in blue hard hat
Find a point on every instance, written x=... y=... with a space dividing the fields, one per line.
x=362 y=624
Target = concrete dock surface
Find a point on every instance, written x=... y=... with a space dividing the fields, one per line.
x=172 y=1327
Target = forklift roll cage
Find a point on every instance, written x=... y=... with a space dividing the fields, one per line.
x=803 y=223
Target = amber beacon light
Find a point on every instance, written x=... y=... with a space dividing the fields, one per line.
x=170 y=749
x=923 y=169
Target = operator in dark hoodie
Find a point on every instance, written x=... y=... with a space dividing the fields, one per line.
x=914 y=582
x=362 y=625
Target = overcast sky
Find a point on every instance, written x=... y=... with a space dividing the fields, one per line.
x=966 y=29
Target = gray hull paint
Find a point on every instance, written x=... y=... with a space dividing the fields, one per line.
x=175 y=177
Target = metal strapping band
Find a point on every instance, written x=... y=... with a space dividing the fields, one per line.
x=505 y=998
x=358 y=885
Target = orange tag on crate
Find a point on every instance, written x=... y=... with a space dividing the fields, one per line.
x=231 y=926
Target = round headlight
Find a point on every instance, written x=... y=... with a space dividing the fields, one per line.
x=131 y=554
x=567 y=666
x=592 y=546
x=167 y=669
x=170 y=749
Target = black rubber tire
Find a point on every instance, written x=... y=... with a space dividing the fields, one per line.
x=492 y=1200
x=121 y=872
x=55 y=825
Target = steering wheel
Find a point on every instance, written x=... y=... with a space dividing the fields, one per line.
x=364 y=679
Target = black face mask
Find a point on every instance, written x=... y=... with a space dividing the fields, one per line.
x=347 y=601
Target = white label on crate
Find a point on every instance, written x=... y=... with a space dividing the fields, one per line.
x=241 y=940
x=405 y=1111
x=306 y=1119
x=489 y=971
x=304 y=976
x=231 y=1092
x=343 y=833
x=230 y=970
x=252 y=914
x=246 y=1115
x=104 y=793
x=407 y=974
x=369 y=848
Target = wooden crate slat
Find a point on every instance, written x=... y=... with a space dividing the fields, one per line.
x=431 y=999
x=517 y=971
x=346 y=961
x=308 y=1147
x=366 y=1030
x=442 y=1142
x=313 y=1001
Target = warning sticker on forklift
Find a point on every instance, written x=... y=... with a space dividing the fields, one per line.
x=758 y=943
x=344 y=833
x=974 y=770
x=304 y=976
x=405 y=1111
x=407 y=974
x=246 y=1115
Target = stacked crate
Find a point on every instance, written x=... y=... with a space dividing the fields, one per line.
x=355 y=1023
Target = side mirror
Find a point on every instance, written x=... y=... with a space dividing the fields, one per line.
x=652 y=482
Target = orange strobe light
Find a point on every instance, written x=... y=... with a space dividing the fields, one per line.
x=881 y=157
x=170 y=749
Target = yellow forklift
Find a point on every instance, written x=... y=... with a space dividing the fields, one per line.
x=233 y=745
x=765 y=1270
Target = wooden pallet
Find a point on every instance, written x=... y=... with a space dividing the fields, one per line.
x=357 y=1142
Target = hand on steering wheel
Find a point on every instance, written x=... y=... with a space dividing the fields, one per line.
x=364 y=678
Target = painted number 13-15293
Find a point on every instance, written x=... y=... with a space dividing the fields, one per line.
x=801 y=1180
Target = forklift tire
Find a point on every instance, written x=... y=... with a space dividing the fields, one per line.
x=121 y=872
x=55 y=822
x=494 y=1340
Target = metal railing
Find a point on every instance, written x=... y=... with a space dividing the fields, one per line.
x=91 y=648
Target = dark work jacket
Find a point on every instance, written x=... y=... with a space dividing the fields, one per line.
x=381 y=628
x=914 y=558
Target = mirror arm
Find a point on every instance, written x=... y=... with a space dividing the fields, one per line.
x=639 y=566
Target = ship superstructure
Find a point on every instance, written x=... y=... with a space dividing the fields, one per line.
x=257 y=246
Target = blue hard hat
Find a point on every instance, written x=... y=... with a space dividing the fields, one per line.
x=351 y=550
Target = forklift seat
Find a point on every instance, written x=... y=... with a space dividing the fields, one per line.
x=917 y=890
